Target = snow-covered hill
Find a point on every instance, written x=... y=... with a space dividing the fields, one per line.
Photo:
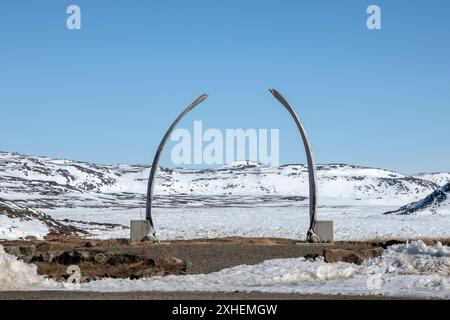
x=438 y=202
x=45 y=183
x=18 y=221
x=242 y=198
x=437 y=177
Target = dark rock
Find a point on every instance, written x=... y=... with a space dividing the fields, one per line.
x=123 y=259
x=393 y=242
x=25 y=253
x=351 y=256
x=90 y=244
x=72 y=257
x=12 y=251
x=43 y=257
x=311 y=256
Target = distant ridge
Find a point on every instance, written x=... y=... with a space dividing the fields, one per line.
x=44 y=183
x=436 y=202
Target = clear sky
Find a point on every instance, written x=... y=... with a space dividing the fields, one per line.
x=107 y=93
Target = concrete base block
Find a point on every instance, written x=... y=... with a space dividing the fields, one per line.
x=139 y=230
x=324 y=229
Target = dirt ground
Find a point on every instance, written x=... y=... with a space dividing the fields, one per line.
x=117 y=258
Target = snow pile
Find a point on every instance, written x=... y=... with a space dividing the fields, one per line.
x=310 y=272
x=411 y=259
x=278 y=275
x=438 y=202
x=413 y=269
x=18 y=275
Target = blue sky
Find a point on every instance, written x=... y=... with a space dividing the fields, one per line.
x=107 y=93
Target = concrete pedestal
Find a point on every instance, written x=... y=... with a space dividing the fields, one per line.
x=324 y=229
x=139 y=230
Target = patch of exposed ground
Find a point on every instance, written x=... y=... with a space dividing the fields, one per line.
x=56 y=228
x=118 y=258
x=13 y=210
x=96 y=259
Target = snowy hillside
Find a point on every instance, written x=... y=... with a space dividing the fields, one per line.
x=45 y=183
x=439 y=178
x=240 y=199
x=17 y=221
x=438 y=202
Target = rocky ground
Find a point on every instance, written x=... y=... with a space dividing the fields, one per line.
x=118 y=258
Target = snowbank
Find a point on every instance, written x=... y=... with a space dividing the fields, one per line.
x=413 y=269
x=18 y=275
